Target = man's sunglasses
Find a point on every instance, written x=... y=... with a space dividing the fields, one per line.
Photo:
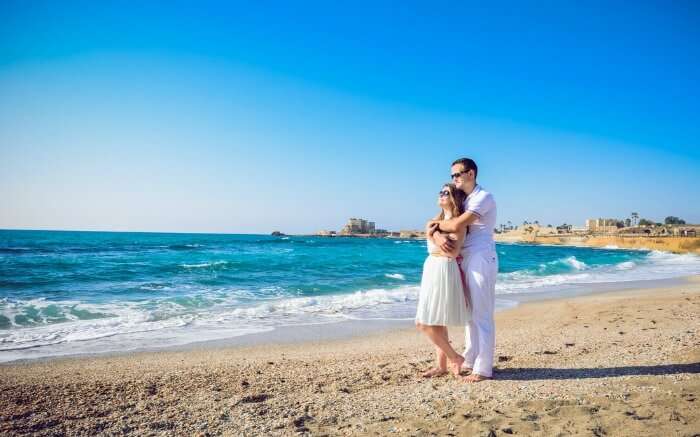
x=444 y=193
x=456 y=175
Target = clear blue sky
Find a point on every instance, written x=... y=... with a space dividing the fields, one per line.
x=227 y=117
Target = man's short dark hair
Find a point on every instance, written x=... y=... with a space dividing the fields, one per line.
x=468 y=164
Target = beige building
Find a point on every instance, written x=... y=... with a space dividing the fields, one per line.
x=601 y=225
x=325 y=233
x=685 y=230
x=358 y=226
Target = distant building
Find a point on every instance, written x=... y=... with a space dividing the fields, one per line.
x=601 y=225
x=358 y=226
x=325 y=233
x=370 y=227
x=663 y=231
x=564 y=229
x=686 y=231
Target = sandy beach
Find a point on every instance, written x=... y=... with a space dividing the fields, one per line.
x=619 y=363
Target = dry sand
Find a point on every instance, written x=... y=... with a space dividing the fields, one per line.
x=624 y=363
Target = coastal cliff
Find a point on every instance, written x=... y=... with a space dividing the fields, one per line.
x=668 y=244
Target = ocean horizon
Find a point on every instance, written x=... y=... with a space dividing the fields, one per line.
x=68 y=292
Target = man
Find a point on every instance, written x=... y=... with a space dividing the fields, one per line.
x=479 y=263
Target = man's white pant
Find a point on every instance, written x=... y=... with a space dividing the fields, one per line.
x=480 y=268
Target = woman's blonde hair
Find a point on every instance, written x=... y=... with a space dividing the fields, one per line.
x=457 y=198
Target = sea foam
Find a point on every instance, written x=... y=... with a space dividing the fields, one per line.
x=89 y=292
x=395 y=276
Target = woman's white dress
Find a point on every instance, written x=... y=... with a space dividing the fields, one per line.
x=441 y=300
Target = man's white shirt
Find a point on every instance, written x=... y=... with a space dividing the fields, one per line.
x=480 y=236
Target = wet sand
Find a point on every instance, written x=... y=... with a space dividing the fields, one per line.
x=620 y=363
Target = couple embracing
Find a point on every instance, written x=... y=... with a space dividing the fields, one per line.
x=459 y=276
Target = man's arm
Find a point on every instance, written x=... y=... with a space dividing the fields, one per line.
x=476 y=207
x=440 y=239
x=458 y=224
x=453 y=225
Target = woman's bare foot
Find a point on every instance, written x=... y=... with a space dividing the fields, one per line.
x=434 y=372
x=475 y=377
x=456 y=365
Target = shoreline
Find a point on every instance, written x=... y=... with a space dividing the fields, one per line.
x=347 y=329
x=613 y=363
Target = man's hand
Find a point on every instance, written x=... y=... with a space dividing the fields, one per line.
x=431 y=227
x=445 y=244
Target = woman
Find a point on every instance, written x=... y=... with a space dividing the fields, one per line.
x=442 y=301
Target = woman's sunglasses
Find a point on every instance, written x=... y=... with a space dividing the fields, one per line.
x=444 y=193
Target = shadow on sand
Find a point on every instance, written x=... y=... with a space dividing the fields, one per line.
x=530 y=373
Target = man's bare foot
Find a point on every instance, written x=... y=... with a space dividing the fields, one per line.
x=475 y=377
x=434 y=372
x=456 y=365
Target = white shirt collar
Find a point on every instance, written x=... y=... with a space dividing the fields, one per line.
x=476 y=189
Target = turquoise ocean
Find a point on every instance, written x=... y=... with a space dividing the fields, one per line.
x=75 y=292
